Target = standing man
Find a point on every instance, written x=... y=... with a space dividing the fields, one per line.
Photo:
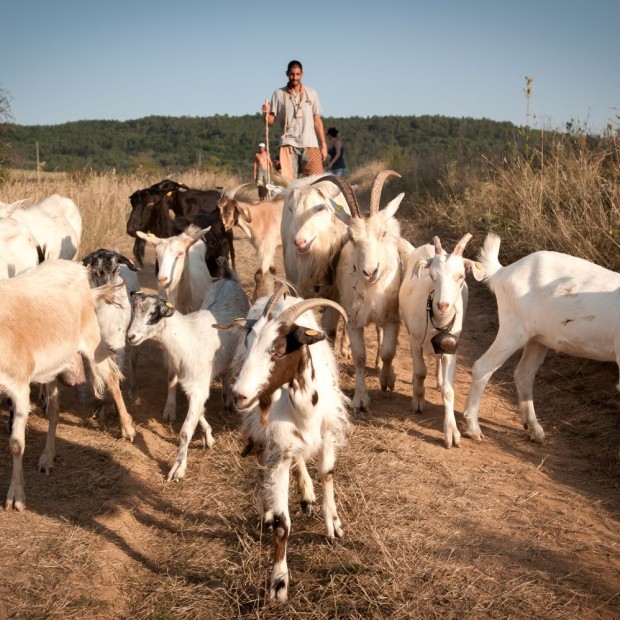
x=262 y=163
x=298 y=109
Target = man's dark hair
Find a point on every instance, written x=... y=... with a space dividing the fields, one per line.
x=294 y=63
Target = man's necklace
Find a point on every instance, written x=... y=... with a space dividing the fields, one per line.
x=297 y=103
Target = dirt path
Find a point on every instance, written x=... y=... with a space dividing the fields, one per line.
x=502 y=528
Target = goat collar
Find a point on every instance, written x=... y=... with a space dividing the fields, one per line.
x=429 y=316
x=443 y=341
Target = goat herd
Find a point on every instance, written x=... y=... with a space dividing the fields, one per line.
x=348 y=262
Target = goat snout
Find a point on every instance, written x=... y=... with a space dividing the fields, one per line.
x=443 y=307
x=371 y=274
x=241 y=401
x=302 y=244
x=163 y=280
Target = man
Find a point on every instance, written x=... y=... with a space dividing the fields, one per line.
x=302 y=143
x=262 y=163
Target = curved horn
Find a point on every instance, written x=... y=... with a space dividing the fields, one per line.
x=273 y=300
x=347 y=191
x=230 y=194
x=377 y=186
x=460 y=246
x=292 y=313
x=438 y=248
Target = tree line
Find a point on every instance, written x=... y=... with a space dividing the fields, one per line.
x=230 y=142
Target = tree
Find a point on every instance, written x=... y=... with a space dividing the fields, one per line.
x=5 y=117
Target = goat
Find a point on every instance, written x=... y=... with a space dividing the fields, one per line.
x=150 y=212
x=545 y=300
x=288 y=386
x=433 y=301
x=48 y=315
x=368 y=275
x=183 y=279
x=197 y=352
x=261 y=222
x=55 y=224
x=18 y=248
x=312 y=236
x=110 y=267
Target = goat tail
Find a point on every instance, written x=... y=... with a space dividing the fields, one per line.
x=489 y=256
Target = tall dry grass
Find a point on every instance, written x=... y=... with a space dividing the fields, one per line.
x=103 y=198
x=562 y=195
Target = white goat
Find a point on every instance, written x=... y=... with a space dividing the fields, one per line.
x=368 y=278
x=184 y=280
x=288 y=386
x=55 y=223
x=311 y=237
x=110 y=267
x=18 y=248
x=545 y=300
x=197 y=352
x=433 y=300
x=48 y=315
x=261 y=222
x=183 y=277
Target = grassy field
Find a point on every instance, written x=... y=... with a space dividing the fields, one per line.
x=498 y=529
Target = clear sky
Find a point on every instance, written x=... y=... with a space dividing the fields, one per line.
x=68 y=60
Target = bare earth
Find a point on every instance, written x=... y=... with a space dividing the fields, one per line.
x=498 y=529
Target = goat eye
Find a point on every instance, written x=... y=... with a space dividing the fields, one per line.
x=279 y=349
x=383 y=233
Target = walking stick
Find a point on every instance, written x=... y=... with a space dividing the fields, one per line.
x=267 y=149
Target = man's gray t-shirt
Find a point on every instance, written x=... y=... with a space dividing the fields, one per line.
x=296 y=116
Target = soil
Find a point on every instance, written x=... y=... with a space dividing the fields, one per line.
x=502 y=528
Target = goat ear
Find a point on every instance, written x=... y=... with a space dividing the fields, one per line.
x=166 y=309
x=197 y=235
x=392 y=206
x=475 y=268
x=419 y=267
x=126 y=261
x=339 y=212
x=149 y=238
x=307 y=335
x=244 y=212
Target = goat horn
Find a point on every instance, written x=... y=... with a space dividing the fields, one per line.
x=273 y=300
x=460 y=246
x=347 y=191
x=292 y=313
x=231 y=193
x=438 y=248
x=377 y=186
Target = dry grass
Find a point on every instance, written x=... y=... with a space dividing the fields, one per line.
x=501 y=529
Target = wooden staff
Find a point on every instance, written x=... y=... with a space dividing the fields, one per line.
x=267 y=149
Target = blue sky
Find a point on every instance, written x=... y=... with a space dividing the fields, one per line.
x=67 y=60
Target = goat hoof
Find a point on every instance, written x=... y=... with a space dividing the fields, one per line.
x=474 y=434
x=307 y=507
x=129 y=433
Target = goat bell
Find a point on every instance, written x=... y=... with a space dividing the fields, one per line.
x=444 y=342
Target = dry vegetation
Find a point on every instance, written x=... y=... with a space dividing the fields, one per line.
x=499 y=529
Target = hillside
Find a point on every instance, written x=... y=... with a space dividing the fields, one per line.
x=230 y=142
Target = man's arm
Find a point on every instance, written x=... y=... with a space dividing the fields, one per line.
x=320 y=134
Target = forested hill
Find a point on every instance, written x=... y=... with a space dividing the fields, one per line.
x=230 y=142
